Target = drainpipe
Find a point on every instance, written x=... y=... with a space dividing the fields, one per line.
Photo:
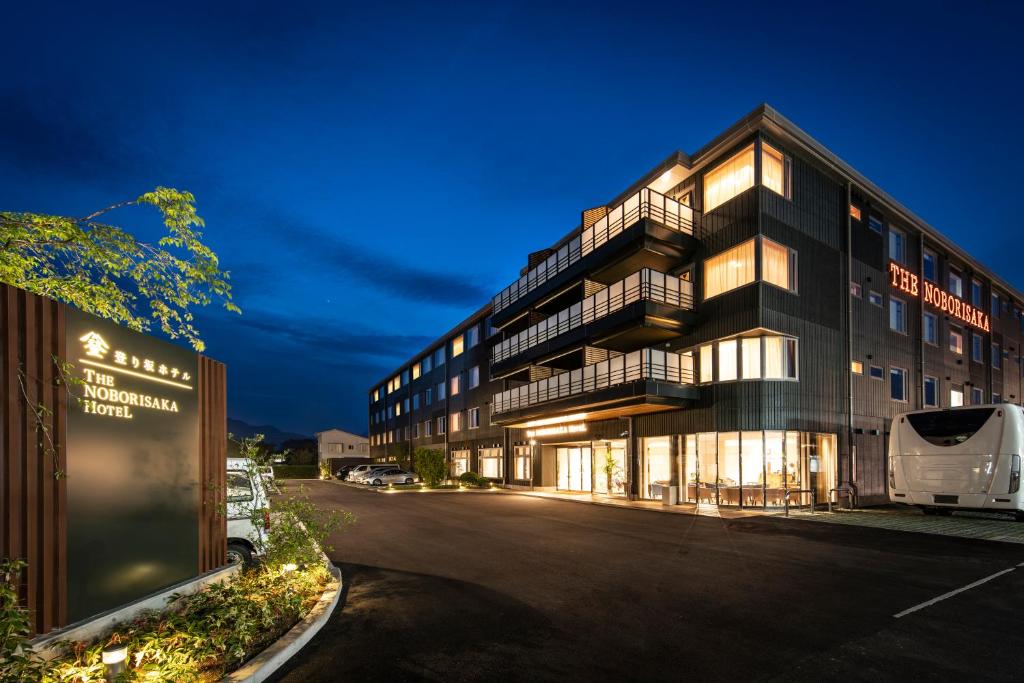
x=848 y=373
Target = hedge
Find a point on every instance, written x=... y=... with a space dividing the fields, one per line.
x=295 y=472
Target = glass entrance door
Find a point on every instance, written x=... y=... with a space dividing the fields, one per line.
x=574 y=468
x=610 y=468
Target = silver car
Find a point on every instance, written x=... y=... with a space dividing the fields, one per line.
x=358 y=471
x=392 y=475
x=361 y=476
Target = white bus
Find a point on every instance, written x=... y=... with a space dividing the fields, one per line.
x=958 y=459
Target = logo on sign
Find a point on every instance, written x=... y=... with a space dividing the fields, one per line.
x=95 y=345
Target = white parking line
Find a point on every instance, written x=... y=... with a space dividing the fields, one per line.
x=950 y=594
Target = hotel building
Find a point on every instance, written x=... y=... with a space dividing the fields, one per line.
x=739 y=323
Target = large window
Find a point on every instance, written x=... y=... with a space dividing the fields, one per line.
x=763 y=357
x=778 y=265
x=956 y=339
x=707 y=364
x=727 y=357
x=956 y=396
x=729 y=179
x=752 y=358
x=931 y=392
x=898 y=384
x=416 y=371
x=956 y=282
x=523 y=463
x=457 y=345
x=455 y=422
x=897 y=315
x=491 y=463
x=930 y=328
x=775 y=170
x=731 y=269
x=897 y=245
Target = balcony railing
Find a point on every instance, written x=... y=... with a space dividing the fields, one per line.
x=645 y=284
x=642 y=364
x=644 y=204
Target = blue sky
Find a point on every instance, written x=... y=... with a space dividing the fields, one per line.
x=371 y=175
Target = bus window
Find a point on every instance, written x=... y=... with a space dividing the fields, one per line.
x=949 y=427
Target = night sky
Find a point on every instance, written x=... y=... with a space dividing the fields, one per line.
x=372 y=175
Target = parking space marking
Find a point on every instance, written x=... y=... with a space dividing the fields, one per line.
x=946 y=596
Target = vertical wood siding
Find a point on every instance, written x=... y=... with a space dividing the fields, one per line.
x=213 y=446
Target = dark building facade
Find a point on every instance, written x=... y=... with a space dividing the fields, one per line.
x=740 y=323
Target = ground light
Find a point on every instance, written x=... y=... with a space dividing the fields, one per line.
x=113 y=660
x=288 y=568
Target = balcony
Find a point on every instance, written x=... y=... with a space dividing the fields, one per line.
x=646 y=285
x=645 y=204
x=642 y=381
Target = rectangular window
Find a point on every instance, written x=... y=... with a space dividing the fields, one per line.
x=523 y=464
x=405 y=377
x=752 y=358
x=415 y=430
x=457 y=346
x=956 y=283
x=778 y=265
x=727 y=360
x=440 y=425
x=439 y=357
x=996 y=398
x=930 y=266
x=474 y=418
x=472 y=336
x=931 y=392
x=956 y=339
x=455 y=422
x=780 y=359
x=897 y=315
x=455 y=385
x=977 y=396
x=398 y=409
x=416 y=401
x=855 y=212
x=997 y=357
x=897 y=245
x=426 y=364
x=930 y=328
x=440 y=391
x=875 y=223
x=976 y=354
x=776 y=169
x=731 y=269
x=426 y=427
x=729 y=179
x=976 y=293
x=875 y=298
x=707 y=364
x=855 y=290
x=474 y=377
x=416 y=371
x=428 y=396
x=995 y=305
x=491 y=463
x=856 y=367
x=956 y=396
x=898 y=384
x=876 y=372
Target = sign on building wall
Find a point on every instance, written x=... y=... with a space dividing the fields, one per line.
x=132 y=465
x=909 y=283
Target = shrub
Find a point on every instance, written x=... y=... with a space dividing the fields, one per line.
x=295 y=471
x=16 y=662
x=430 y=465
x=325 y=470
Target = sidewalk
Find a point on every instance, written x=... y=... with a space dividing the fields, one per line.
x=960 y=524
x=649 y=505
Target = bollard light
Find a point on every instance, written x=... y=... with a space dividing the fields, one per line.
x=114 y=657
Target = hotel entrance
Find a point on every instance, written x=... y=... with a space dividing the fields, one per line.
x=597 y=467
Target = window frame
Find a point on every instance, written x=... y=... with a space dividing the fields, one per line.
x=925 y=253
x=925 y=315
x=901 y=242
x=924 y=391
x=902 y=305
x=895 y=370
x=876 y=299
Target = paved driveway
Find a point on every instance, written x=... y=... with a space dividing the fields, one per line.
x=478 y=586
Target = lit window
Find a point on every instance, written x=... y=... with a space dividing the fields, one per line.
x=931 y=392
x=956 y=396
x=491 y=463
x=997 y=357
x=455 y=385
x=930 y=268
x=876 y=372
x=956 y=282
x=731 y=269
x=454 y=422
x=875 y=298
x=856 y=367
x=897 y=246
x=898 y=384
x=706 y=364
x=416 y=371
x=897 y=315
x=855 y=290
x=457 y=345
x=775 y=170
x=875 y=223
x=930 y=328
x=752 y=358
x=976 y=354
x=727 y=360
x=523 y=464
x=854 y=212
x=729 y=179
x=398 y=409
x=956 y=339
x=778 y=265
x=976 y=293
x=780 y=361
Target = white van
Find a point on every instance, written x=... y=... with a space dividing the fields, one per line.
x=246 y=493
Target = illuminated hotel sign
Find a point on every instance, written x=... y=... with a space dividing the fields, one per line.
x=909 y=283
x=556 y=430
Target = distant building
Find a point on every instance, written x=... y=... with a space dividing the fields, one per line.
x=335 y=444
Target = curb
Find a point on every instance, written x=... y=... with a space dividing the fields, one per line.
x=266 y=663
x=384 y=489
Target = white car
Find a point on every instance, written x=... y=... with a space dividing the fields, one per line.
x=248 y=511
x=392 y=475
x=267 y=473
x=359 y=471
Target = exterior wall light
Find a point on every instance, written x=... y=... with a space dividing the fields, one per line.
x=114 y=657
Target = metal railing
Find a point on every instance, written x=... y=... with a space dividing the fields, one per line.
x=642 y=364
x=644 y=204
x=643 y=285
x=789 y=492
x=851 y=495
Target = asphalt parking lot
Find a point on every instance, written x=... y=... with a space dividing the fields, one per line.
x=481 y=586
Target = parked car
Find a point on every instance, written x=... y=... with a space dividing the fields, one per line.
x=267 y=473
x=393 y=475
x=359 y=472
x=365 y=476
x=343 y=471
x=248 y=510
